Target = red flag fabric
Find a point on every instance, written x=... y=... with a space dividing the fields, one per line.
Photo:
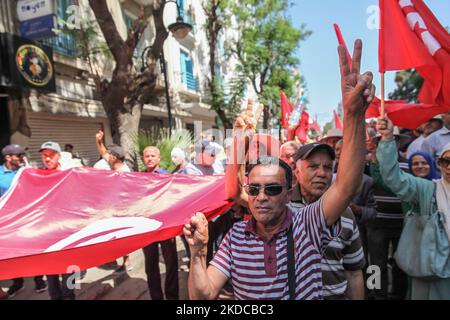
x=315 y=126
x=403 y=114
x=411 y=37
x=286 y=110
x=337 y=121
x=342 y=42
x=303 y=128
x=50 y=221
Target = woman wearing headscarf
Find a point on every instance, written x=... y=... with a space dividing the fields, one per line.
x=421 y=165
x=424 y=248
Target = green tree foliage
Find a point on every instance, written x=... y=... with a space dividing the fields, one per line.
x=165 y=143
x=328 y=126
x=409 y=82
x=266 y=49
x=225 y=97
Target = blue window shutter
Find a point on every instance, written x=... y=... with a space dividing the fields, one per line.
x=189 y=69
x=183 y=57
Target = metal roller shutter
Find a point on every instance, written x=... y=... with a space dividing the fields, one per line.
x=77 y=131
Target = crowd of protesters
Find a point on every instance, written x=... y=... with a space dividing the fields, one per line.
x=309 y=219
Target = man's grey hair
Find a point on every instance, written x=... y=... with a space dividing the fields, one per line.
x=292 y=144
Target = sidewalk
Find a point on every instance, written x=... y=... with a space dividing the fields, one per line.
x=101 y=284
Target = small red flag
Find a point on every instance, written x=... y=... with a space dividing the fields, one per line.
x=337 y=121
x=315 y=126
x=286 y=110
x=303 y=128
x=341 y=41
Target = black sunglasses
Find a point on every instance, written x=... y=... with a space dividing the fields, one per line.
x=444 y=162
x=269 y=190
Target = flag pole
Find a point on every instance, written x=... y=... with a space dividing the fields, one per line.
x=382 y=94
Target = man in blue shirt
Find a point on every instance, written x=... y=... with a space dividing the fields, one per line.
x=14 y=158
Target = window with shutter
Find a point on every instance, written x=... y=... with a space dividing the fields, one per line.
x=63 y=43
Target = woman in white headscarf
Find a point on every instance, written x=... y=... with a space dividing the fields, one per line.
x=423 y=251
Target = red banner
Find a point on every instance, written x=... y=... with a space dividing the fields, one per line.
x=51 y=221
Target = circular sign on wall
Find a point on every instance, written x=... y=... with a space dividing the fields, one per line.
x=34 y=65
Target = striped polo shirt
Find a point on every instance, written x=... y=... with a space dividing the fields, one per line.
x=258 y=268
x=390 y=212
x=343 y=253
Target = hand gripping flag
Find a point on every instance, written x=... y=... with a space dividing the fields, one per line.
x=52 y=221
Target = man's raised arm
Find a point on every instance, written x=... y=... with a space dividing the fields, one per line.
x=357 y=93
x=100 y=146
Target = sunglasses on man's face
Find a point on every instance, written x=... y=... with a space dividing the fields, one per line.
x=444 y=162
x=269 y=190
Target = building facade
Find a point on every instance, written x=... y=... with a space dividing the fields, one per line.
x=72 y=115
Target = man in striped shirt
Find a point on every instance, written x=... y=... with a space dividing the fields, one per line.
x=254 y=253
x=343 y=259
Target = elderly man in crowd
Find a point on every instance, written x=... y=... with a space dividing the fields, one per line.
x=151 y=157
x=277 y=231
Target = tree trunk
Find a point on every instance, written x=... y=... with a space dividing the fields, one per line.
x=266 y=113
x=128 y=131
x=227 y=124
x=124 y=96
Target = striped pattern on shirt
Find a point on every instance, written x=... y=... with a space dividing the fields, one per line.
x=343 y=253
x=389 y=206
x=241 y=257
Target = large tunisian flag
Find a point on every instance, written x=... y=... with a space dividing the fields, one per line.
x=393 y=55
x=53 y=221
x=411 y=37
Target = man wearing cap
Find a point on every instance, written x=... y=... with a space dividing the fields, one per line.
x=13 y=156
x=437 y=140
x=284 y=246
x=50 y=156
x=205 y=157
x=14 y=159
x=343 y=260
x=114 y=155
x=204 y=164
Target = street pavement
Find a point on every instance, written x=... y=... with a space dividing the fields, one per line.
x=101 y=284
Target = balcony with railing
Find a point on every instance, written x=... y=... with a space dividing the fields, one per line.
x=63 y=44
